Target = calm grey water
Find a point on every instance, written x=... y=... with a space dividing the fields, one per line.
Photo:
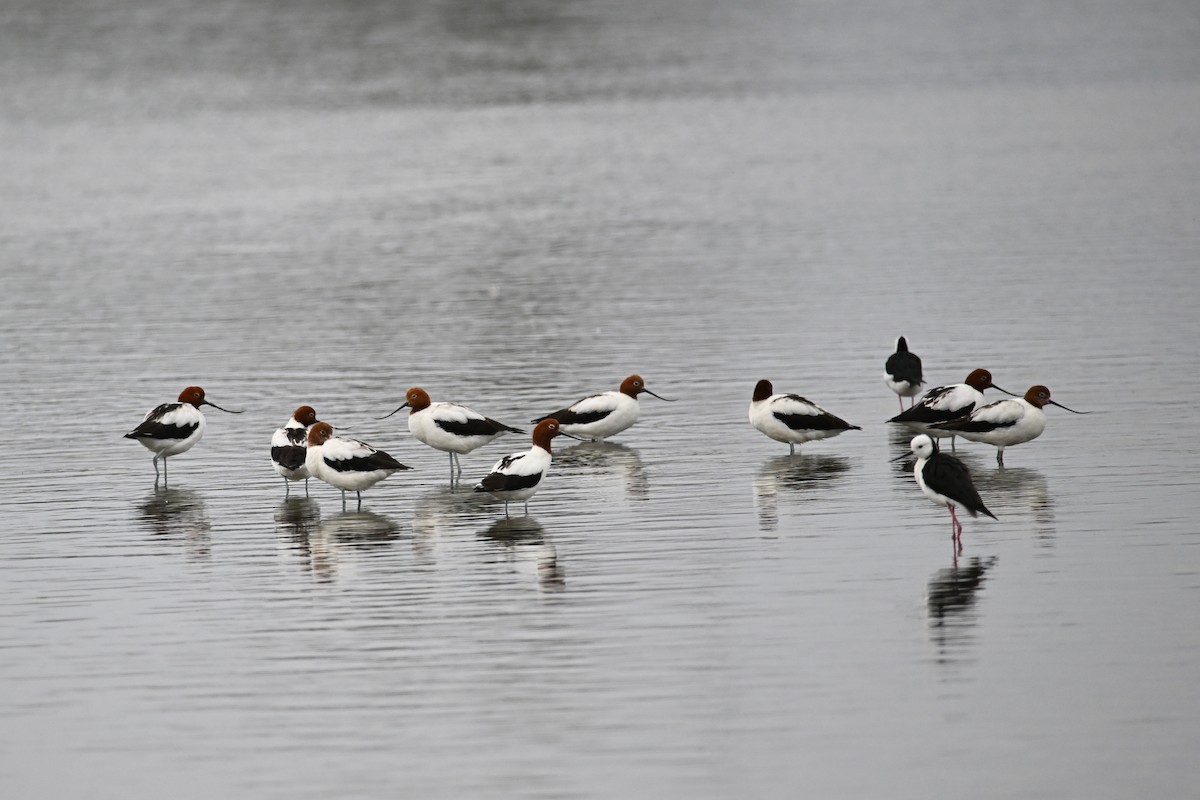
x=513 y=204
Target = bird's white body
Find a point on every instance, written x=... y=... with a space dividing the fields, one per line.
x=1007 y=422
x=521 y=471
x=175 y=419
x=436 y=424
x=600 y=416
x=901 y=388
x=287 y=447
x=345 y=464
x=1004 y=423
x=616 y=411
x=791 y=418
x=173 y=428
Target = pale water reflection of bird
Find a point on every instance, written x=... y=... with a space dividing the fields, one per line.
x=528 y=550
x=604 y=458
x=798 y=479
x=296 y=518
x=178 y=514
x=440 y=512
x=1020 y=491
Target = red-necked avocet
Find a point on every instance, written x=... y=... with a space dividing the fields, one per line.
x=792 y=419
x=449 y=427
x=946 y=403
x=946 y=481
x=902 y=373
x=289 y=448
x=346 y=464
x=600 y=416
x=519 y=476
x=172 y=428
x=1006 y=422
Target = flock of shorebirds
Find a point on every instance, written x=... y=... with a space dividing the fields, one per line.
x=306 y=447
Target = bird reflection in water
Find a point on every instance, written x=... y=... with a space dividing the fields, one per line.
x=608 y=458
x=359 y=530
x=527 y=549
x=178 y=514
x=296 y=518
x=1021 y=490
x=441 y=510
x=794 y=476
x=950 y=599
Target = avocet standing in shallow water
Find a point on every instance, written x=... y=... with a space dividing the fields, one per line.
x=289 y=448
x=172 y=428
x=346 y=464
x=449 y=427
x=600 y=416
x=791 y=418
x=946 y=481
x=902 y=373
x=519 y=476
x=946 y=403
x=1006 y=422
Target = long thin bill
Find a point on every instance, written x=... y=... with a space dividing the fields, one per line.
x=659 y=396
x=226 y=410
x=1073 y=411
x=385 y=416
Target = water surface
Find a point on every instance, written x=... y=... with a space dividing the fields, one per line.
x=513 y=204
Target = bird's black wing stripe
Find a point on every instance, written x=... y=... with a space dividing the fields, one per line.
x=974 y=426
x=297 y=436
x=809 y=422
x=568 y=417
x=474 y=427
x=151 y=428
x=928 y=416
x=502 y=482
x=289 y=456
x=377 y=460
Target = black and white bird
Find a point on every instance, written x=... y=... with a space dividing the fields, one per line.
x=289 y=448
x=600 y=416
x=902 y=373
x=173 y=428
x=1006 y=422
x=946 y=403
x=946 y=481
x=792 y=419
x=449 y=427
x=519 y=476
x=346 y=464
